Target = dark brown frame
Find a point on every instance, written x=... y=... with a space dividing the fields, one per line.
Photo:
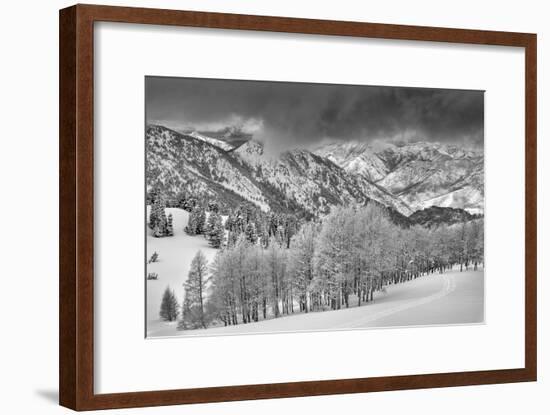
x=76 y=178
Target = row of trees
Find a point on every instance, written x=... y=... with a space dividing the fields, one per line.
x=259 y=227
x=255 y=225
x=205 y=218
x=322 y=265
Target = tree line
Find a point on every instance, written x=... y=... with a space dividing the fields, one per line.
x=206 y=219
x=271 y=265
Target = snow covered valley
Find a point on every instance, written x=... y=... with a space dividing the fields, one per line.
x=453 y=297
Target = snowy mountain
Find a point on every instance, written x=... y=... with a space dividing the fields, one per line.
x=296 y=181
x=179 y=163
x=356 y=158
x=311 y=181
x=405 y=178
x=210 y=140
x=421 y=175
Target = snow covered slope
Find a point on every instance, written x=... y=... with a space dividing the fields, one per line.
x=419 y=174
x=296 y=181
x=451 y=298
x=313 y=182
x=175 y=256
x=356 y=158
x=181 y=163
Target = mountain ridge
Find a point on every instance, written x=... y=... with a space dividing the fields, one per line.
x=302 y=181
x=421 y=174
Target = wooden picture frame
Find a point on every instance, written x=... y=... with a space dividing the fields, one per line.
x=76 y=233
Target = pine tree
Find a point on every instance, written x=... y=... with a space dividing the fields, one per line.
x=216 y=232
x=157 y=217
x=250 y=233
x=201 y=220
x=160 y=227
x=196 y=223
x=151 y=196
x=229 y=222
x=186 y=202
x=238 y=222
x=181 y=200
x=153 y=215
x=152 y=218
x=169 y=307
x=213 y=207
x=169 y=225
x=191 y=203
x=195 y=288
x=209 y=223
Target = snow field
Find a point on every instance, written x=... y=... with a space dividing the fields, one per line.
x=438 y=299
x=450 y=298
x=175 y=256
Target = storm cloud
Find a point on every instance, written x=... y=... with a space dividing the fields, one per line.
x=287 y=115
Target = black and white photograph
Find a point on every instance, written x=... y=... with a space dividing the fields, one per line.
x=284 y=207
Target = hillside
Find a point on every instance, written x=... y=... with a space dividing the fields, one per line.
x=408 y=179
x=175 y=255
x=296 y=181
x=419 y=174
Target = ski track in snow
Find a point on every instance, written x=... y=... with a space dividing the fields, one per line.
x=436 y=299
x=448 y=287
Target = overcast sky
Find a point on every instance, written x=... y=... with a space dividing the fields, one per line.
x=287 y=115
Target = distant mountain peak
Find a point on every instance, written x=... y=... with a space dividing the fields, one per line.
x=214 y=141
x=421 y=174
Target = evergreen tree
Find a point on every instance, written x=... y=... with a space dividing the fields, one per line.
x=213 y=207
x=169 y=307
x=200 y=220
x=153 y=216
x=181 y=200
x=195 y=289
x=216 y=232
x=196 y=223
x=169 y=225
x=209 y=223
x=229 y=221
x=250 y=233
x=157 y=232
x=186 y=202
x=151 y=196
x=191 y=204
x=157 y=217
x=160 y=226
x=239 y=220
